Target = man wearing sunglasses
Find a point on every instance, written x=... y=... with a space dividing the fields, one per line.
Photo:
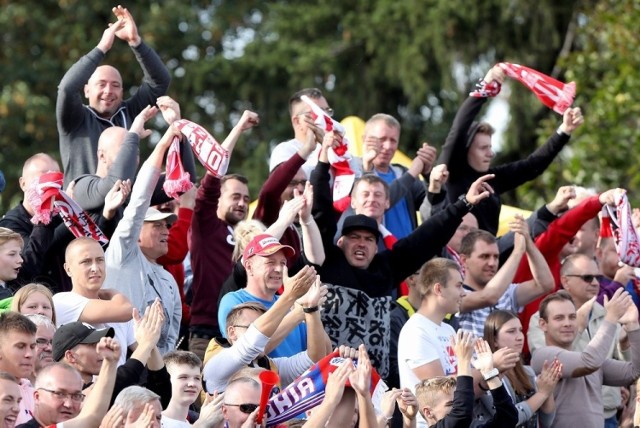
x=241 y=398
x=580 y=276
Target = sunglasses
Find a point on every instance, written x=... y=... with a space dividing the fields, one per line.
x=587 y=278
x=244 y=408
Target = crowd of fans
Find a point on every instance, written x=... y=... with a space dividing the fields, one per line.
x=167 y=308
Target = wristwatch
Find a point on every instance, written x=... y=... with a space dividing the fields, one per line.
x=468 y=204
x=491 y=374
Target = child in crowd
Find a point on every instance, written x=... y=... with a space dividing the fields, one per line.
x=448 y=402
x=34 y=298
x=185 y=370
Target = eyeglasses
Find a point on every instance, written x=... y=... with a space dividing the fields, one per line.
x=240 y=326
x=42 y=343
x=296 y=183
x=244 y=408
x=586 y=278
x=74 y=396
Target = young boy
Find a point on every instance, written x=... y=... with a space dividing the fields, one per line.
x=448 y=402
x=186 y=383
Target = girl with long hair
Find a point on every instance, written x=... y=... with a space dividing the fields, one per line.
x=532 y=396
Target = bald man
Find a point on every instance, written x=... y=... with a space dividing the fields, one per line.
x=241 y=397
x=42 y=245
x=79 y=125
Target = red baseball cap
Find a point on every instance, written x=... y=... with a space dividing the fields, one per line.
x=265 y=245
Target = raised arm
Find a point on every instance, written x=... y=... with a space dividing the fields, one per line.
x=90 y=191
x=96 y=406
x=622 y=373
x=247 y=121
x=427 y=241
x=311 y=237
x=178 y=234
x=454 y=150
x=278 y=180
x=69 y=104
x=156 y=78
x=511 y=175
x=323 y=210
x=125 y=238
x=542 y=282
x=360 y=381
x=317 y=339
x=496 y=287
x=506 y=415
x=332 y=396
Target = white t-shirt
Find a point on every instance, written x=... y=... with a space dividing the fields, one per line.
x=422 y=341
x=173 y=423
x=69 y=306
x=285 y=150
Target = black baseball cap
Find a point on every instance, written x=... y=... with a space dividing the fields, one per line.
x=360 y=222
x=76 y=333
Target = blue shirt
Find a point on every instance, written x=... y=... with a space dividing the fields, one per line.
x=396 y=218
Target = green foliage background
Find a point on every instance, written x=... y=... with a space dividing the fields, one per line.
x=413 y=59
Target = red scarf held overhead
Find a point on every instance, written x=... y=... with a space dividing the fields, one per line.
x=47 y=198
x=338 y=158
x=209 y=152
x=556 y=95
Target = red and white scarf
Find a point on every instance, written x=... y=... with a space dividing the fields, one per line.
x=624 y=233
x=47 y=198
x=553 y=93
x=176 y=179
x=209 y=152
x=343 y=176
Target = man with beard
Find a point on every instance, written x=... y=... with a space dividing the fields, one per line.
x=220 y=204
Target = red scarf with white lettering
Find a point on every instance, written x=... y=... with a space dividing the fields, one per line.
x=553 y=93
x=209 y=152
x=176 y=179
x=625 y=236
x=47 y=198
x=343 y=176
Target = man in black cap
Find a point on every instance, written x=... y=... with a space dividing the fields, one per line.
x=74 y=344
x=363 y=279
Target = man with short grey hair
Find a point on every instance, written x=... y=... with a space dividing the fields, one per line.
x=44 y=342
x=137 y=403
x=241 y=398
